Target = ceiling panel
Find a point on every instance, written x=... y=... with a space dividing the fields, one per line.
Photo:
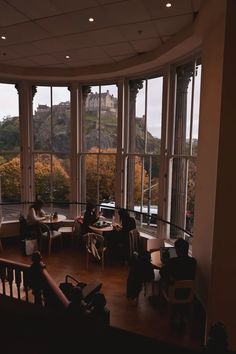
x=26 y=49
x=9 y=15
x=125 y=12
x=119 y=49
x=20 y=62
x=170 y=26
x=145 y=45
x=8 y=53
x=106 y=36
x=24 y=32
x=140 y=30
x=42 y=33
x=44 y=59
x=118 y=58
x=75 y=41
x=83 y=54
x=74 y=5
x=35 y=9
x=91 y=61
x=103 y=2
x=157 y=9
x=74 y=22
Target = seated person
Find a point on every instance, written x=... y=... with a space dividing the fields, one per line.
x=182 y=267
x=36 y=213
x=35 y=216
x=90 y=217
x=120 y=236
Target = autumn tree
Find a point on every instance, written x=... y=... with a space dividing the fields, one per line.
x=43 y=175
x=101 y=171
x=11 y=178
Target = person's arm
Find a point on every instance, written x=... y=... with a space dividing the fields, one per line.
x=33 y=217
x=42 y=213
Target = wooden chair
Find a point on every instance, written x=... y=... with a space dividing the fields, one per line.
x=135 y=245
x=94 y=247
x=1 y=247
x=50 y=235
x=180 y=292
x=134 y=242
x=72 y=231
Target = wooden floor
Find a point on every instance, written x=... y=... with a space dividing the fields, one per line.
x=145 y=318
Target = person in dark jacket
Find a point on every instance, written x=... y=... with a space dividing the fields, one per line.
x=90 y=217
x=182 y=267
x=36 y=280
x=118 y=239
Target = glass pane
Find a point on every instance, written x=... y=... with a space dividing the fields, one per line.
x=91 y=119
x=9 y=118
x=42 y=176
x=107 y=164
x=151 y=193
x=60 y=178
x=196 y=110
x=10 y=172
x=109 y=112
x=42 y=119
x=186 y=150
x=192 y=173
x=137 y=178
x=178 y=196
x=91 y=177
x=154 y=114
x=61 y=119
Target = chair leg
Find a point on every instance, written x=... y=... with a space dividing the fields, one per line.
x=49 y=246
x=102 y=260
x=87 y=259
x=1 y=248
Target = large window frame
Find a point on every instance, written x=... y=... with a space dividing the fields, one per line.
x=121 y=156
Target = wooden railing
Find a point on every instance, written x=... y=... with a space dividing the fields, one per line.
x=15 y=283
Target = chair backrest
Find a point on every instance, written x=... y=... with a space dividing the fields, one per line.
x=24 y=228
x=180 y=292
x=76 y=229
x=44 y=230
x=94 y=244
x=134 y=242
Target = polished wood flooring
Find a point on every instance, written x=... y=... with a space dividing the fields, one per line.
x=145 y=318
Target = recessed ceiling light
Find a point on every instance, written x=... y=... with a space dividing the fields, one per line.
x=3 y=37
x=168 y=4
x=91 y=19
x=67 y=57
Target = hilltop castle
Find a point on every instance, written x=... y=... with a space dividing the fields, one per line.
x=107 y=102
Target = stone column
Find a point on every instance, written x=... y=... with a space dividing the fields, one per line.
x=26 y=93
x=134 y=87
x=85 y=92
x=179 y=176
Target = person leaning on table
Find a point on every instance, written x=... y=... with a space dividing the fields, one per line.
x=90 y=217
x=36 y=212
x=35 y=216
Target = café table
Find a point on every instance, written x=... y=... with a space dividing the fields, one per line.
x=51 y=222
x=104 y=226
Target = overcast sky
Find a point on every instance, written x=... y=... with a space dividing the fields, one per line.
x=9 y=101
